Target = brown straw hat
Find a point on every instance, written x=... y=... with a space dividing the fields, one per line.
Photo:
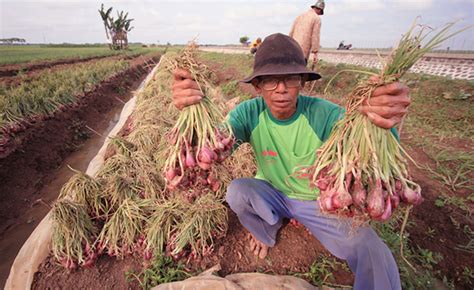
x=280 y=54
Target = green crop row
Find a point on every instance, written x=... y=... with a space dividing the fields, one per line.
x=53 y=89
x=13 y=54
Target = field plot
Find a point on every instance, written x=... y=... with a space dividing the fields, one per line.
x=438 y=241
x=16 y=54
x=50 y=117
x=20 y=62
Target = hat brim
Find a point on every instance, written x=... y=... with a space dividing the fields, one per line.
x=322 y=10
x=312 y=76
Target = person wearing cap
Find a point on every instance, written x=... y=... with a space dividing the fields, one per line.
x=306 y=30
x=285 y=129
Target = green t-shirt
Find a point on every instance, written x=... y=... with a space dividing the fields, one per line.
x=282 y=146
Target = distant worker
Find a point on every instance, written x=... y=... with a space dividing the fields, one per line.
x=254 y=45
x=341 y=45
x=306 y=30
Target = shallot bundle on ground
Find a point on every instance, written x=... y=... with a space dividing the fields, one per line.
x=200 y=137
x=73 y=235
x=361 y=170
x=126 y=209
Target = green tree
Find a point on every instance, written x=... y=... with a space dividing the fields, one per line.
x=243 y=40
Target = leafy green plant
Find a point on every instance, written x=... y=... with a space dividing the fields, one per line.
x=455 y=222
x=321 y=271
x=229 y=89
x=468 y=275
x=389 y=232
x=430 y=232
x=457 y=201
x=162 y=270
x=469 y=247
x=455 y=169
x=428 y=259
x=239 y=64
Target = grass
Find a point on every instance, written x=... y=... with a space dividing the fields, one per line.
x=444 y=127
x=457 y=201
x=389 y=232
x=231 y=90
x=321 y=272
x=240 y=63
x=162 y=270
x=454 y=169
x=14 y=54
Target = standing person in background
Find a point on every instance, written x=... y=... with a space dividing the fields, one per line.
x=306 y=30
x=255 y=44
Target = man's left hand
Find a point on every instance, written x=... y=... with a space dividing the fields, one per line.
x=387 y=105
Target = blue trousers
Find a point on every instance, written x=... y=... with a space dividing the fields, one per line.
x=261 y=208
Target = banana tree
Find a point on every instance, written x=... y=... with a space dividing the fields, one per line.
x=116 y=29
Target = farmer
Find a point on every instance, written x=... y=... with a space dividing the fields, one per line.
x=285 y=129
x=306 y=30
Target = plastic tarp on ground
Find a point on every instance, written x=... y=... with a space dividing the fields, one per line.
x=241 y=281
x=35 y=250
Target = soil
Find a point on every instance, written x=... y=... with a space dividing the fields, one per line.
x=33 y=164
x=108 y=272
x=448 y=236
x=296 y=249
x=231 y=253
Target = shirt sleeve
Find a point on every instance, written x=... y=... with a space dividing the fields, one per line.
x=315 y=35
x=239 y=124
x=335 y=114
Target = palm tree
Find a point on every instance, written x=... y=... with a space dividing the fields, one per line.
x=116 y=29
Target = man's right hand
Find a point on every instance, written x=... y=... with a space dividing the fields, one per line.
x=315 y=59
x=186 y=91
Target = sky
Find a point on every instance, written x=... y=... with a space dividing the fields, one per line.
x=364 y=23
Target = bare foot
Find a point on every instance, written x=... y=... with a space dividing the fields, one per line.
x=295 y=223
x=259 y=249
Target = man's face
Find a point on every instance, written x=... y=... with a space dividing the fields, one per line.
x=280 y=93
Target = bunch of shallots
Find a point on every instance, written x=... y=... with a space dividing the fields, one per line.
x=361 y=170
x=199 y=138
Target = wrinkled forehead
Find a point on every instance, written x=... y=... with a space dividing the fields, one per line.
x=279 y=76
